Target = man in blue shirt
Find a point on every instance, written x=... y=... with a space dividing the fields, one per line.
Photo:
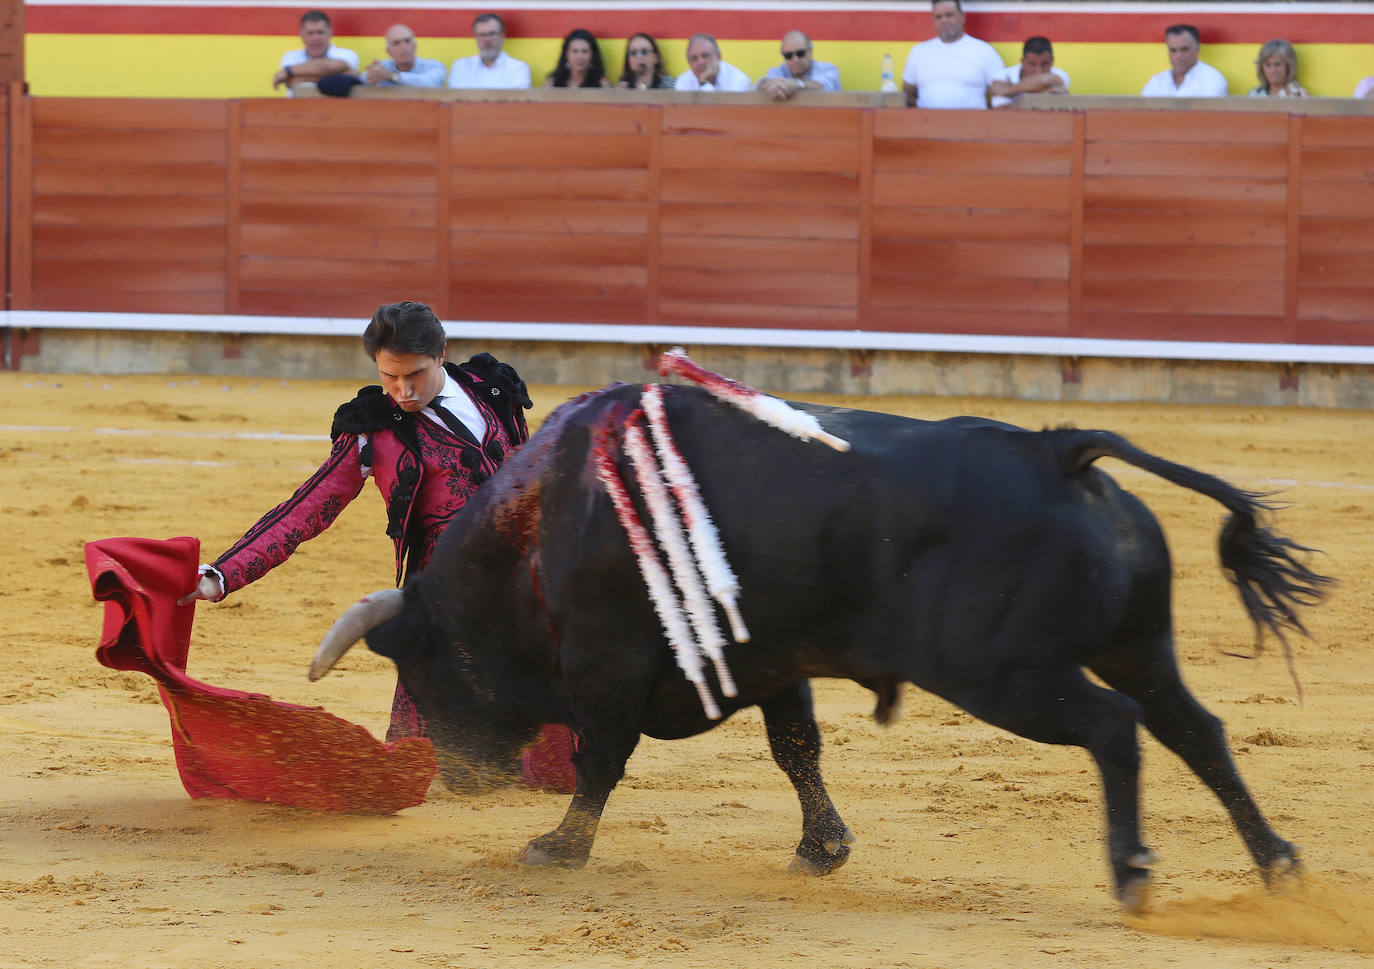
x=403 y=67
x=798 y=72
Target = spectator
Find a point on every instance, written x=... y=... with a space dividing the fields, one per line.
x=1277 y=70
x=491 y=67
x=952 y=69
x=403 y=67
x=798 y=71
x=318 y=58
x=709 y=72
x=1187 y=76
x=579 y=63
x=643 y=67
x=1036 y=74
x=1365 y=88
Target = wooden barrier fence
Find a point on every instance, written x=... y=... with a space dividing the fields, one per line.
x=1195 y=225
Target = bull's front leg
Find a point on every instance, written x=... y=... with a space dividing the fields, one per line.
x=600 y=766
x=796 y=744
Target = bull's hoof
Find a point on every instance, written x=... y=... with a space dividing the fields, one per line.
x=1284 y=869
x=540 y=854
x=812 y=862
x=1133 y=881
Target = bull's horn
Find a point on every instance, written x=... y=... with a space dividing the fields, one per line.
x=361 y=617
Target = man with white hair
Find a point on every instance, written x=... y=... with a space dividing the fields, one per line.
x=708 y=72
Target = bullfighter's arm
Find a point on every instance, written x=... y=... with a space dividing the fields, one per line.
x=309 y=511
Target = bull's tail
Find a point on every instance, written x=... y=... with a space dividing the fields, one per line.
x=1267 y=569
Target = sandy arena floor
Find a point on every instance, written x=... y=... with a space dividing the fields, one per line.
x=976 y=848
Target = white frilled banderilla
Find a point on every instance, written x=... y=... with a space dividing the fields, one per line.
x=682 y=526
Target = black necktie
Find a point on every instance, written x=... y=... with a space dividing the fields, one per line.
x=451 y=422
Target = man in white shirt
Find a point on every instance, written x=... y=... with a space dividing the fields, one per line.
x=490 y=67
x=952 y=69
x=798 y=72
x=1187 y=76
x=709 y=72
x=404 y=66
x=318 y=58
x=1036 y=74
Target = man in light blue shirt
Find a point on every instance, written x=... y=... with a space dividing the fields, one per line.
x=403 y=67
x=798 y=72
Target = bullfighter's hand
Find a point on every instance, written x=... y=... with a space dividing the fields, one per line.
x=206 y=588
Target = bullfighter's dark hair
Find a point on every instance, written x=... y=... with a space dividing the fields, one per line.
x=1037 y=45
x=312 y=15
x=404 y=327
x=1183 y=29
x=483 y=17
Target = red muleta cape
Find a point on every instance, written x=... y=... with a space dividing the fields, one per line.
x=230 y=744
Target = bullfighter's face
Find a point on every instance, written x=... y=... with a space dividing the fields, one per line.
x=411 y=379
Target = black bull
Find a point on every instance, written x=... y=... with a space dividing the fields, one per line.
x=988 y=564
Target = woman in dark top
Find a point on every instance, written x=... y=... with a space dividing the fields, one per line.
x=579 y=63
x=643 y=67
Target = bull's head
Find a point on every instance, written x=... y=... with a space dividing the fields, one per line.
x=478 y=748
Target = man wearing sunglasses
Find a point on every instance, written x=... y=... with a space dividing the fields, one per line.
x=798 y=71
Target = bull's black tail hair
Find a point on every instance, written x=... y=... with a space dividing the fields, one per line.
x=1266 y=568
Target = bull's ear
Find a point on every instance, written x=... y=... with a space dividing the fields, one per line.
x=399 y=638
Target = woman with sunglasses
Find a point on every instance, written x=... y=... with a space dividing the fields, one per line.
x=643 y=68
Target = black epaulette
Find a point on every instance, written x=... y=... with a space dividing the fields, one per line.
x=370 y=411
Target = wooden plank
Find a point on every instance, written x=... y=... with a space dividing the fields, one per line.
x=1185 y=193
x=1335 y=303
x=128 y=114
x=760 y=221
x=100 y=176
x=537 y=119
x=233 y=190
x=538 y=215
x=711 y=185
x=123 y=275
x=131 y=242
x=689 y=312
x=329 y=242
x=1182 y=262
x=321 y=116
x=1342 y=199
x=866 y=166
x=53 y=144
x=1251 y=297
x=574 y=282
x=1076 y=209
x=778 y=153
x=1192 y=127
x=997 y=259
x=314 y=275
x=1226 y=328
x=976 y=191
x=1358 y=333
x=760 y=255
x=356 y=304
x=443 y=210
x=112 y=301
x=972 y=157
x=653 y=251
x=995 y=322
x=1319 y=234
x=551 y=308
x=130 y=210
x=1027 y=126
x=343 y=211
x=334 y=144
x=980 y=293
x=575 y=248
x=1168 y=159
x=777 y=287
x=619 y=184
x=548 y=151
x=1151 y=227
x=754 y=121
x=285 y=177
x=1339 y=164
x=1330 y=131
x=20 y=206
x=1292 y=245
x=971 y=224
x=1344 y=269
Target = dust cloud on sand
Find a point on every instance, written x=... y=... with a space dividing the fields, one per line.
x=976 y=848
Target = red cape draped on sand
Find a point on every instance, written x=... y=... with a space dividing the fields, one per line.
x=231 y=744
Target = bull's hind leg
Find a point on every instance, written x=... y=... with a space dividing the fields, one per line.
x=796 y=744
x=1064 y=707
x=1187 y=728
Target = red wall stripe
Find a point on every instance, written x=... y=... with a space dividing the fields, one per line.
x=1064 y=26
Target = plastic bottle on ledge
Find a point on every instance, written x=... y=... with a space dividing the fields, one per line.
x=888 y=85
